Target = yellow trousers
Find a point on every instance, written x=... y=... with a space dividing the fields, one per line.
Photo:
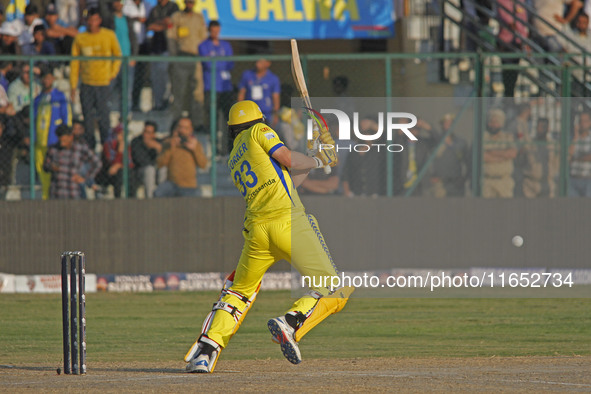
x=295 y=239
x=44 y=177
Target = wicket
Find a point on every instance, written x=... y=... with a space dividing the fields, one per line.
x=74 y=306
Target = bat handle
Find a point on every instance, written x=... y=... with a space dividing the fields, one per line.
x=327 y=170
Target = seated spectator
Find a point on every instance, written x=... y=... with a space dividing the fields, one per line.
x=112 y=168
x=6 y=107
x=78 y=131
x=71 y=164
x=5 y=68
x=580 y=158
x=499 y=151
x=59 y=33
x=144 y=151
x=31 y=21
x=10 y=32
x=39 y=46
x=181 y=155
x=19 y=91
x=552 y=11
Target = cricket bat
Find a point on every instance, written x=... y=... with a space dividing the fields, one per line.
x=298 y=77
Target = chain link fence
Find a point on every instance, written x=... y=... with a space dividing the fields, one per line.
x=128 y=124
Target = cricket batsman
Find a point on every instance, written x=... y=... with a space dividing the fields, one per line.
x=276 y=227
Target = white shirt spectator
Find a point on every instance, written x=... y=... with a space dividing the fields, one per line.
x=547 y=9
x=136 y=11
x=26 y=36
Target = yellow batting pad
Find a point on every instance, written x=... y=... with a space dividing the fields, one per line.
x=325 y=307
x=236 y=325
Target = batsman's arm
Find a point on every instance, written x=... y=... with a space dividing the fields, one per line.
x=299 y=163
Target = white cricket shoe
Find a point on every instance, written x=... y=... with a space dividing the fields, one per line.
x=200 y=364
x=284 y=334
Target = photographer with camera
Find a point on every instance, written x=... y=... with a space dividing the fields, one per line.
x=181 y=154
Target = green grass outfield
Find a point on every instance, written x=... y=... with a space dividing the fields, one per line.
x=160 y=327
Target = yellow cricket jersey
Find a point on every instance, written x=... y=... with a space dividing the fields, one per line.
x=265 y=184
x=95 y=72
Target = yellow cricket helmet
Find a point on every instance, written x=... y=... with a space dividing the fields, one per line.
x=243 y=112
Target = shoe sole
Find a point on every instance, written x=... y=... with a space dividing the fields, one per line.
x=191 y=370
x=195 y=369
x=287 y=348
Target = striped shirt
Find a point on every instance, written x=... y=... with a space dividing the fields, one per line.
x=580 y=168
x=78 y=159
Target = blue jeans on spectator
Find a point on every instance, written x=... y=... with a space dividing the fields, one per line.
x=169 y=189
x=579 y=187
x=116 y=86
x=159 y=79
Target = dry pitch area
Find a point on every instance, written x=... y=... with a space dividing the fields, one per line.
x=531 y=374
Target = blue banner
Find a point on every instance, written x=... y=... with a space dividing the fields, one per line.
x=303 y=19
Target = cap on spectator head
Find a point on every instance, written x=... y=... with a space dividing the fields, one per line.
x=50 y=9
x=9 y=29
x=31 y=9
x=63 y=130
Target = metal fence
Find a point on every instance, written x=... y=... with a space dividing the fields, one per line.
x=162 y=89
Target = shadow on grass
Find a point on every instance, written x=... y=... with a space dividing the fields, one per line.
x=128 y=370
x=26 y=368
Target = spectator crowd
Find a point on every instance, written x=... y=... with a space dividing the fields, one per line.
x=76 y=149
